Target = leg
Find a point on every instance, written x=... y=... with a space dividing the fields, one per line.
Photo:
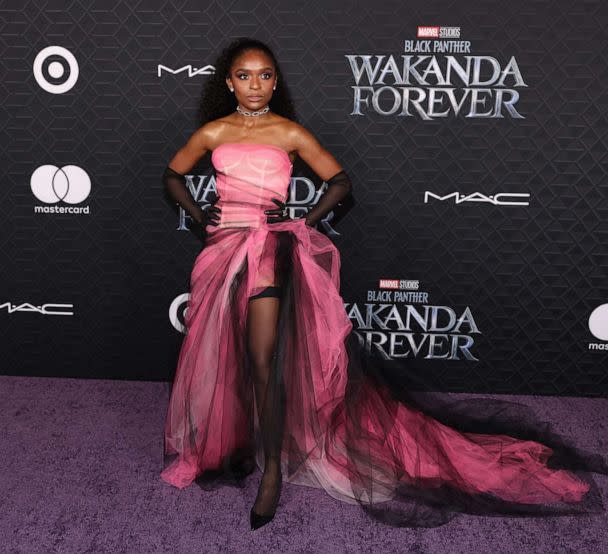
x=262 y=321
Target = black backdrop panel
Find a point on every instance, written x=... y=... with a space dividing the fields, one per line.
x=477 y=246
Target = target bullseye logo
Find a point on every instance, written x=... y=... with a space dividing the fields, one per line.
x=177 y=312
x=56 y=69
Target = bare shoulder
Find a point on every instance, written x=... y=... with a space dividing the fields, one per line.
x=310 y=149
x=300 y=138
x=208 y=135
x=200 y=142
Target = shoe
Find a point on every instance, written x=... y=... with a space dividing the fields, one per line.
x=258 y=521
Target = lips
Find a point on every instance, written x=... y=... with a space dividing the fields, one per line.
x=254 y=98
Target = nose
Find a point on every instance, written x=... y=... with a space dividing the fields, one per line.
x=254 y=83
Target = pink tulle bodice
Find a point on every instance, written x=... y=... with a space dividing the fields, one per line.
x=249 y=175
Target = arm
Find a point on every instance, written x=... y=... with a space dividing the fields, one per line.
x=175 y=183
x=326 y=167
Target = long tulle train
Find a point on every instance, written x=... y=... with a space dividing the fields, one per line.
x=408 y=456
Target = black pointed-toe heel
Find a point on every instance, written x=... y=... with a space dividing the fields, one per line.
x=258 y=521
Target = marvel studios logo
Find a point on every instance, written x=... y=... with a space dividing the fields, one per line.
x=399 y=284
x=437 y=31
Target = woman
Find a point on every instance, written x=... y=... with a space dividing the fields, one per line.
x=271 y=372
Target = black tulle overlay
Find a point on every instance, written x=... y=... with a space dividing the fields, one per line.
x=322 y=410
x=401 y=454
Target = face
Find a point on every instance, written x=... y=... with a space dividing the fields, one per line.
x=252 y=76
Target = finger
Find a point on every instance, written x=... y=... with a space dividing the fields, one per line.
x=278 y=202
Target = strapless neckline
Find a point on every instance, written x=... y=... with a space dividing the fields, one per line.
x=285 y=153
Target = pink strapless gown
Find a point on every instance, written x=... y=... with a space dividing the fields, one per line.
x=343 y=430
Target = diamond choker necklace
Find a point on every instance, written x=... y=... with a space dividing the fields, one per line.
x=245 y=112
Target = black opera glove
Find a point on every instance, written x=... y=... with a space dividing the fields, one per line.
x=338 y=187
x=175 y=185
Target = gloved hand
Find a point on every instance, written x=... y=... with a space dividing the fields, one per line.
x=278 y=215
x=338 y=187
x=212 y=213
x=175 y=185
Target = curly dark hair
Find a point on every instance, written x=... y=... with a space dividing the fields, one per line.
x=216 y=100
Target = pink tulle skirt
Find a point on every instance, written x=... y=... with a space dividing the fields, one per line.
x=407 y=455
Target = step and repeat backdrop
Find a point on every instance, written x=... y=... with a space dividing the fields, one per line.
x=475 y=245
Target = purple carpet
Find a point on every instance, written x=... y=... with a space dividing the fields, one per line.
x=80 y=473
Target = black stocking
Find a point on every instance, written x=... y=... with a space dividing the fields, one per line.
x=262 y=319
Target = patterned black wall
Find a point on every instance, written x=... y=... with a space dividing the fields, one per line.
x=501 y=220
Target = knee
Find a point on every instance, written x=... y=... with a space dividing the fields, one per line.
x=260 y=365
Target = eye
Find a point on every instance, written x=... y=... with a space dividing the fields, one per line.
x=242 y=75
x=269 y=75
